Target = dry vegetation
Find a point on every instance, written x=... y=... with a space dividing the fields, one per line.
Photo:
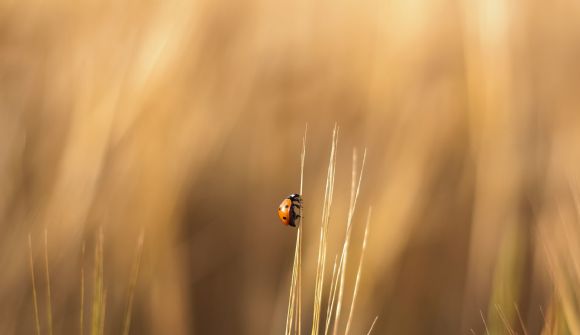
x=182 y=120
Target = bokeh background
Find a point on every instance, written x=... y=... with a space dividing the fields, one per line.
x=184 y=120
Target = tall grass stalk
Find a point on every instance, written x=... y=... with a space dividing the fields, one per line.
x=295 y=296
x=99 y=298
x=34 y=290
x=290 y=315
x=504 y=320
x=103 y=312
x=98 y=308
x=299 y=265
x=82 y=309
x=48 y=293
x=337 y=282
x=358 y=274
x=520 y=319
x=560 y=242
x=332 y=293
x=133 y=284
x=327 y=205
x=372 y=325
x=355 y=190
x=484 y=323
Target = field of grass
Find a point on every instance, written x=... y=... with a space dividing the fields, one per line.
x=145 y=147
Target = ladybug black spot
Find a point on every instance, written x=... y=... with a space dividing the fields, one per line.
x=287 y=206
x=284 y=217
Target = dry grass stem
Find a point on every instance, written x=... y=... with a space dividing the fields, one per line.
x=372 y=325
x=103 y=312
x=299 y=256
x=48 y=293
x=34 y=290
x=504 y=320
x=484 y=322
x=327 y=204
x=98 y=309
x=520 y=319
x=82 y=308
x=133 y=284
x=358 y=274
x=292 y=298
x=332 y=293
x=355 y=190
x=295 y=296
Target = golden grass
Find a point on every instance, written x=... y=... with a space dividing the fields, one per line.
x=326 y=211
x=126 y=114
x=82 y=293
x=99 y=297
x=34 y=289
x=358 y=272
x=99 y=292
x=372 y=325
x=133 y=284
x=336 y=292
x=561 y=253
x=355 y=190
x=295 y=296
x=48 y=290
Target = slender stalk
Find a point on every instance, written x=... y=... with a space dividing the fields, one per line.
x=504 y=320
x=103 y=312
x=373 y=325
x=357 y=281
x=98 y=288
x=299 y=271
x=332 y=294
x=34 y=290
x=346 y=244
x=295 y=296
x=82 y=316
x=484 y=323
x=290 y=313
x=299 y=279
x=520 y=319
x=328 y=195
x=291 y=304
x=48 y=293
x=133 y=284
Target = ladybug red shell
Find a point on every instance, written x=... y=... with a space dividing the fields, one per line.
x=290 y=209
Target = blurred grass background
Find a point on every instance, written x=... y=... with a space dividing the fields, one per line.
x=183 y=119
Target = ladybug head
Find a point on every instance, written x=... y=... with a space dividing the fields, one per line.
x=294 y=197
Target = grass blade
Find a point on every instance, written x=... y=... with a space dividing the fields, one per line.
x=82 y=312
x=98 y=288
x=328 y=195
x=295 y=296
x=133 y=284
x=355 y=189
x=357 y=281
x=372 y=325
x=34 y=291
x=48 y=293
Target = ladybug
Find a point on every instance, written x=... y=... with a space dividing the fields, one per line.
x=290 y=210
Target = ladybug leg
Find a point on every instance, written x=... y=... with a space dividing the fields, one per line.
x=294 y=217
x=296 y=209
x=297 y=203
